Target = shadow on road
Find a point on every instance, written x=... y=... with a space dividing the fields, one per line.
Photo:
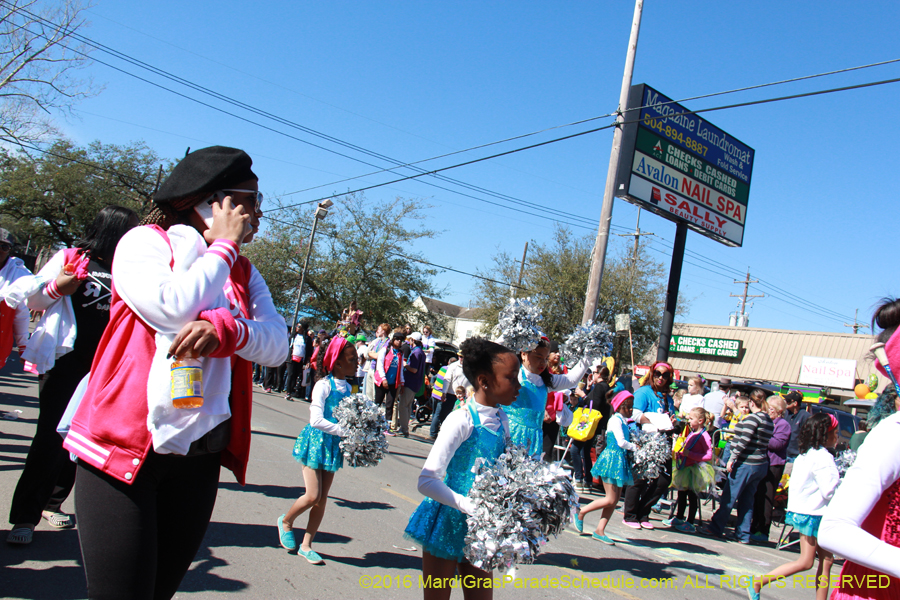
x=63 y=582
x=364 y=505
x=379 y=560
x=201 y=578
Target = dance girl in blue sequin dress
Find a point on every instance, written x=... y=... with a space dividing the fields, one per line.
x=478 y=431
x=611 y=466
x=526 y=414
x=318 y=447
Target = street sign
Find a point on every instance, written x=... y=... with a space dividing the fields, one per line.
x=683 y=168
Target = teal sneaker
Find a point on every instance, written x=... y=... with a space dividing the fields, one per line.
x=604 y=538
x=579 y=525
x=286 y=538
x=759 y=538
x=672 y=522
x=312 y=556
x=685 y=527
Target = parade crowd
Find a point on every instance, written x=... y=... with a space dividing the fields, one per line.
x=140 y=311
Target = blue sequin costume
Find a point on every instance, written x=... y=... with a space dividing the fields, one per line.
x=441 y=529
x=319 y=450
x=612 y=466
x=526 y=415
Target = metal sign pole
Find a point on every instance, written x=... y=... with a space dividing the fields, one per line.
x=668 y=322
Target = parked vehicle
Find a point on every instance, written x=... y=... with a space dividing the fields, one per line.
x=848 y=424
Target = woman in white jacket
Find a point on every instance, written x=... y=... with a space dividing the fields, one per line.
x=148 y=472
x=81 y=274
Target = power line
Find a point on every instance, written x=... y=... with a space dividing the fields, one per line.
x=404 y=256
x=579 y=134
x=400 y=164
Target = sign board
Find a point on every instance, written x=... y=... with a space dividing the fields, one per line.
x=623 y=323
x=683 y=168
x=833 y=372
x=707 y=346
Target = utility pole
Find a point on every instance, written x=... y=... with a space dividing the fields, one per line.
x=636 y=235
x=745 y=295
x=598 y=258
x=515 y=290
x=856 y=324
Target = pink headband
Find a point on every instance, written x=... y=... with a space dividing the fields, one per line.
x=834 y=422
x=619 y=398
x=335 y=347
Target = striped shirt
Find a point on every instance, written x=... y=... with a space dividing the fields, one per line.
x=751 y=440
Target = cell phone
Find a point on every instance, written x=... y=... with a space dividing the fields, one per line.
x=204 y=208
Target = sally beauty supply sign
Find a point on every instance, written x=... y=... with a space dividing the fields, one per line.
x=683 y=168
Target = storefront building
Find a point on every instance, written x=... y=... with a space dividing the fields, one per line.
x=807 y=360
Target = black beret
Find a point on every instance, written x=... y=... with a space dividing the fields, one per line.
x=205 y=171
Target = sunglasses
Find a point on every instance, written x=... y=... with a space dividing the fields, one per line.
x=5 y=247
x=257 y=195
x=663 y=374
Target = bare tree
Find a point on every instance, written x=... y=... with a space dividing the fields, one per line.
x=40 y=58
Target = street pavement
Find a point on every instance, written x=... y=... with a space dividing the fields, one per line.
x=361 y=537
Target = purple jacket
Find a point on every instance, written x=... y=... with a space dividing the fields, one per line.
x=778 y=443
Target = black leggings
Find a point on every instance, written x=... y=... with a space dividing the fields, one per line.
x=139 y=540
x=687 y=499
x=386 y=396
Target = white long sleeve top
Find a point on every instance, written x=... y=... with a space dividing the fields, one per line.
x=379 y=363
x=876 y=468
x=317 y=408
x=167 y=285
x=454 y=378
x=813 y=482
x=562 y=381
x=617 y=424
x=11 y=271
x=455 y=430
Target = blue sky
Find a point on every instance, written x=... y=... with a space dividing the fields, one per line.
x=412 y=80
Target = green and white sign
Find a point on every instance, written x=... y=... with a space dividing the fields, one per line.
x=707 y=346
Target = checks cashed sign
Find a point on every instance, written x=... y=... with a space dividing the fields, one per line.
x=706 y=346
x=683 y=168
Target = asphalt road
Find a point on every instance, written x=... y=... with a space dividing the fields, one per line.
x=361 y=538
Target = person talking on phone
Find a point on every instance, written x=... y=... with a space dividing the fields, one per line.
x=148 y=470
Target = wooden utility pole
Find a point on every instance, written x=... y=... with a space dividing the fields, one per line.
x=856 y=324
x=598 y=258
x=518 y=285
x=745 y=295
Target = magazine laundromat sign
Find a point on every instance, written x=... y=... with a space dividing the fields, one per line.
x=707 y=346
x=684 y=168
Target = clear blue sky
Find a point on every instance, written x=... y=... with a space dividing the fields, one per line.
x=411 y=80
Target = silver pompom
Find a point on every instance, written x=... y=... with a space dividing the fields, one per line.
x=519 y=502
x=363 y=423
x=653 y=455
x=588 y=342
x=844 y=461
x=518 y=325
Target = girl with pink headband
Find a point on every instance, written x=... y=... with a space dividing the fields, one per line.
x=318 y=447
x=611 y=466
x=813 y=481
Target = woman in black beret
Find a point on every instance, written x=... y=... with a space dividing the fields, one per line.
x=148 y=468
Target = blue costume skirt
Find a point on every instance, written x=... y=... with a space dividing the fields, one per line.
x=612 y=467
x=318 y=450
x=526 y=435
x=803 y=524
x=440 y=530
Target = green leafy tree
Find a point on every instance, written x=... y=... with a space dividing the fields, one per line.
x=362 y=251
x=556 y=277
x=52 y=197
